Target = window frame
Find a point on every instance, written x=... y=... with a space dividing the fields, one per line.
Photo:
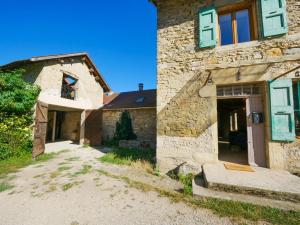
x=75 y=89
x=297 y=111
x=232 y=9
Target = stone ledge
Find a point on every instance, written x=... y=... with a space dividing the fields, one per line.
x=200 y=190
x=142 y=144
x=272 y=184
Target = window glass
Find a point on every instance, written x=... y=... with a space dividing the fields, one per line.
x=243 y=26
x=226 y=29
x=68 y=88
x=296 y=90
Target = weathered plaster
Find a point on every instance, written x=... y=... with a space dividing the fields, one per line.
x=48 y=75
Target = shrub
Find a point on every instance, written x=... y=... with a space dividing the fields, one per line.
x=124 y=130
x=17 y=99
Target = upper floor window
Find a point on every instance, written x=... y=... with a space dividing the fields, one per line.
x=235 y=27
x=69 y=87
x=239 y=22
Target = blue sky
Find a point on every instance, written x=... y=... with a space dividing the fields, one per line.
x=119 y=35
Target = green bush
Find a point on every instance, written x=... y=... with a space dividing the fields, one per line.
x=17 y=99
x=124 y=130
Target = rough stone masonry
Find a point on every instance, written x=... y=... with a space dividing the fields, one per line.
x=186 y=122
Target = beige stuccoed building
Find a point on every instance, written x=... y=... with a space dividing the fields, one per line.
x=70 y=101
x=228 y=83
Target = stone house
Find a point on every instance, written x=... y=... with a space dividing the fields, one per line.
x=71 y=95
x=141 y=106
x=228 y=83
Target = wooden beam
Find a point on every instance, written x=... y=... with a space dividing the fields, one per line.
x=54 y=126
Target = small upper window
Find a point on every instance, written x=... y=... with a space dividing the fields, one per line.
x=235 y=26
x=68 y=89
x=140 y=100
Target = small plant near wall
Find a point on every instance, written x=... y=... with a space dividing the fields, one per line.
x=17 y=99
x=124 y=129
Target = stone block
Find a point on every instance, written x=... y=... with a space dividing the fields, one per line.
x=274 y=52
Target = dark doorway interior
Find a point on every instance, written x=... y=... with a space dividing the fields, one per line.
x=232 y=130
x=60 y=116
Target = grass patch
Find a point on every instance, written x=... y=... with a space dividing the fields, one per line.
x=224 y=208
x=39 y=175
x=63 y=168
x=12 y=165
x=54 y=174
x=68 y=186
x=51 y=188
x=73 y=159
x=5 y=186
x=187 y=181
x=84 y=170
x=138 y=158
x=63 y=163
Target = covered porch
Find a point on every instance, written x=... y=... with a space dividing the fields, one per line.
x=65 y=124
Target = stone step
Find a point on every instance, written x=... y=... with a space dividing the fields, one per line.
x=200 y=190
x=273 y=184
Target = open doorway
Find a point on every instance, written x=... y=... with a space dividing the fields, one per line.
x=63 y=125
x=232 y=130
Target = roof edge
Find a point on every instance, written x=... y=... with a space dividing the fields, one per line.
x=87 y=59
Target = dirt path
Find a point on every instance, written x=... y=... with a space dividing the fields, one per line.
x=68 y=190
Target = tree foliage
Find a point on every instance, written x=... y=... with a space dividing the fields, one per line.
x=16 y=95
x=124 y=130
x=17 y=99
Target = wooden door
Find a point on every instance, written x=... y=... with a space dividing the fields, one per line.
x=93 y=127
x=255 y=133
x=40 y=131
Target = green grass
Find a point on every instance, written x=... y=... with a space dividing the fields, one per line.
x=84 y=170
x=223 y=208
x=138 y=158
x=127 y=156
x=14 y=164
x=72 y=159
x=5 y=186
x=187 y=181
x=67 y=186
x=63 y=168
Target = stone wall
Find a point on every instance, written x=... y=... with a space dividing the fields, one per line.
x=186 y=122
x=71 y=126
x=143 y=122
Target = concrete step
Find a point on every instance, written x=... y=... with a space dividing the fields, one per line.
x=273 y=184
x=200 y=190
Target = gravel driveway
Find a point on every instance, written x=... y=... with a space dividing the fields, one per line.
x=68 y=190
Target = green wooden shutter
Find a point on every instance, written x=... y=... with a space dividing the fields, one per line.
x=282 y=110
x=207 y=27
x=274 y=19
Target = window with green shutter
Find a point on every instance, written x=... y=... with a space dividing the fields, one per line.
x=207 y=27
x=274 y=21
x=282 y=110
